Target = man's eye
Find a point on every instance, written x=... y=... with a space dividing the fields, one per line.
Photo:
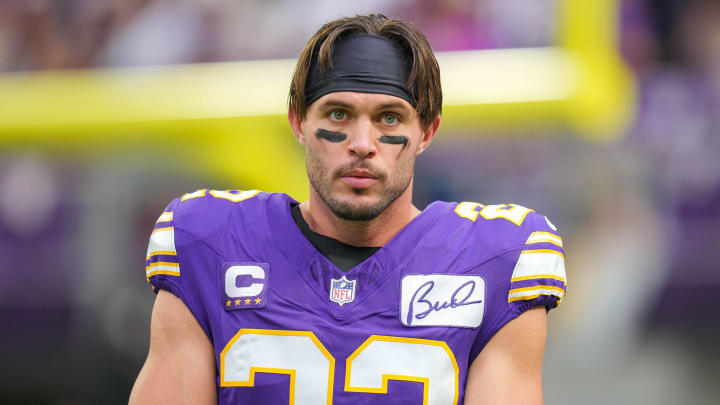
x=390 y=119
x=337 y=115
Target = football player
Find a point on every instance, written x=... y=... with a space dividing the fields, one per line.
x=354 y=296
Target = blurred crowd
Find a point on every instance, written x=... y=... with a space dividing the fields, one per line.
x=674 y=50
x=640 y=216
x=61 y=34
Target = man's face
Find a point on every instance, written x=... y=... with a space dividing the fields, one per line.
x=361 y=151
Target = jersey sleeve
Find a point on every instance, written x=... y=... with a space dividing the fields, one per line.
x=162 y=265
x=187 y=247
x=531 y=273
x=539 y=274
x=175 y=261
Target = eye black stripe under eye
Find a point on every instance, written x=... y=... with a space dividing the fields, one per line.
x=395 y=140
x=330 y=136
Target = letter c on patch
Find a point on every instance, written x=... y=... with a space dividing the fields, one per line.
x=254 y=289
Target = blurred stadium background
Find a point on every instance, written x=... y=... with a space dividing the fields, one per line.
x=601 y=114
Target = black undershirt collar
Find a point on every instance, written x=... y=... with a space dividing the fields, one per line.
x=343 y=256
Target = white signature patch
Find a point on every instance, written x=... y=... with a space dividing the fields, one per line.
x=442 y=300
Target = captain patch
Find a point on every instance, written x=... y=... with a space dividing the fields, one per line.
x=442 y=300
x=245 y=285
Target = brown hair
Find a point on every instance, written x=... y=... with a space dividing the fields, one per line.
x=423 y=81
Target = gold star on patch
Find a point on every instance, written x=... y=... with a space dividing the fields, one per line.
x=228 y=303
x=247 y=301
x=237 y=301
x=258 y=300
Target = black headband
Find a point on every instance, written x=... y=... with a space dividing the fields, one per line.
x=363 y=63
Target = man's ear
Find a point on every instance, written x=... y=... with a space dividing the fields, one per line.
x=428 y=135
x=296 y=125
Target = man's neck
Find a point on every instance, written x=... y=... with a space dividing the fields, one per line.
x=376 y=232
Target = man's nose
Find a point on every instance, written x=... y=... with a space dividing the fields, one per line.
x=363 y=138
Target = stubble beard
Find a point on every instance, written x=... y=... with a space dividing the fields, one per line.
x=321 y=181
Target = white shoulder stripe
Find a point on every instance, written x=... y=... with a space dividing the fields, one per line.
x=162 y=240
x=169 y=268
x=540 y=264
x=534 y=292
x=155 y=270
x=540 y=237
x=165 y=217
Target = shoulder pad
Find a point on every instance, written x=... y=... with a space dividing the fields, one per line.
x=204 y=211
x=540 y=267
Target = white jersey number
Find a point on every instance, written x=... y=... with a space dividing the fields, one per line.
x=383 y=358
x=299 y=354
x=511 y=212
x=311 y=367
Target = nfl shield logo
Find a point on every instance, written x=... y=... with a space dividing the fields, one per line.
x=342 y=291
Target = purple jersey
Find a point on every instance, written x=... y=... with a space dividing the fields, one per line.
x=402 y=327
